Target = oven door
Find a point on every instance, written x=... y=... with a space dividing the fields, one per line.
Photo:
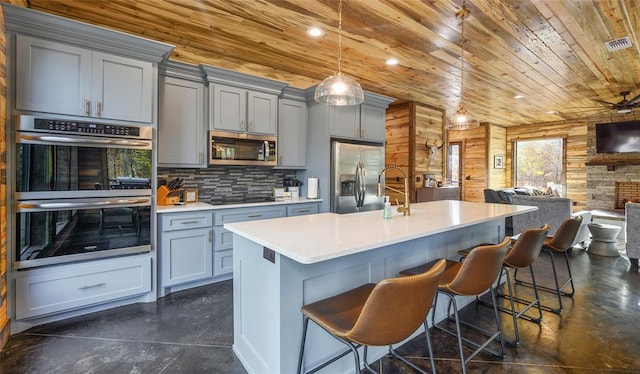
x=60 y=231
x=70 y=166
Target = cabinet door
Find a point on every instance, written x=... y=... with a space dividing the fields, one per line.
x=187 y=255
x=181 y=134
x=292 y=133
x=262 y=113
x=372 y=123
x=229 y=108
x=52 y=77
x=344 y=121
x=122 y=88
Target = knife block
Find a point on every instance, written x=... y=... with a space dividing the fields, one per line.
x=166 y=197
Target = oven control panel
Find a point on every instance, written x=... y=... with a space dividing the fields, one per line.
x=85 y=127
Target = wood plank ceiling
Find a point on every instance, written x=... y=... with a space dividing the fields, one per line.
x=550 y=52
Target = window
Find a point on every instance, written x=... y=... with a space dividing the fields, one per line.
x=454 y=163
x=540 y=163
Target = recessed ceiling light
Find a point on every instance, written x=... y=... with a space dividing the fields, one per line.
x=552 y=112
x=315 y=32
x=518 y=97
x=392 y=61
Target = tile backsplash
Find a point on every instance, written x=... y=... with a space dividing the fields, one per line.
x=226 y=184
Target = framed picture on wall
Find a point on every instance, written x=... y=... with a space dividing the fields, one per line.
x=498 y=162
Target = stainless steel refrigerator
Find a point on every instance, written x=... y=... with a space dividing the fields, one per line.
x=354 y=177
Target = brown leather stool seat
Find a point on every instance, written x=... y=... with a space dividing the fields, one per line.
x=472 y=277
x=522 y=254
x=561 y=242
x=375 y=315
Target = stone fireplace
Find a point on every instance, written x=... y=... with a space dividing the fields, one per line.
x=612 y=178
x=627 y=192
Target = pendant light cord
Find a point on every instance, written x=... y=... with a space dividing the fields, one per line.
x=340 y=38
x=462 y=13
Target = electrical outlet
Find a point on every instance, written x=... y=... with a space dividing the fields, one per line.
x=269 y=254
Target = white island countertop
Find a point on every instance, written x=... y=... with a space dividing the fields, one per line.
x=319 y=237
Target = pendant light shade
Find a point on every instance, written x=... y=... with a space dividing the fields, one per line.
x=338 y=89
x=461 y=120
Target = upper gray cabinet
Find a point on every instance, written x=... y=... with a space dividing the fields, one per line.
x=292 y=129
x=362 y=122
x=72 y=68
x=58 y=78
x=181 y=117
x=242 y=103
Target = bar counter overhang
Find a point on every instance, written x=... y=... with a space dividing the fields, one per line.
x=281 y=264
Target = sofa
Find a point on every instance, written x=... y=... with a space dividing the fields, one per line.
x=632 y=221
x=551 y=210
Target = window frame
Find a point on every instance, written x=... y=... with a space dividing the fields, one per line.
x=514 y=160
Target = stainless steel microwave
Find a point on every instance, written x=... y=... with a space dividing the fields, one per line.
x=229 y=148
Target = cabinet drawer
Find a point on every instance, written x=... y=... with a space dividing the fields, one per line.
x=41 y=292
x=192 y=220
x=242 y=215
x=223 y=239
x=223 y=262
x=302 y=209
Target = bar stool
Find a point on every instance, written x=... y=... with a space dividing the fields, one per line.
x=561 y=242
x=376 y=315
x=522 y=254
x=472 y=277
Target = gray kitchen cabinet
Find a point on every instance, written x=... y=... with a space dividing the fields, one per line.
x=242 y=103
x=181 y=117
x=292 y=130
x=240 y=110
x=186 y=248
x=59 y=78
x=302 y=209
x=50 y=290
x=359 y=122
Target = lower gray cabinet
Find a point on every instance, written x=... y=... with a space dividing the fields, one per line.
x=186 y=256
x=195 y=248
x=186 y=247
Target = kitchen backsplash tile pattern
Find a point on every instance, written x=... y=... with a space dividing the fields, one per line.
x=229 y=184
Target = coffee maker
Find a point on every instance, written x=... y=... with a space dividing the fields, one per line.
x=429 y=180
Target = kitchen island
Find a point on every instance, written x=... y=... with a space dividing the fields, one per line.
x=282 y=264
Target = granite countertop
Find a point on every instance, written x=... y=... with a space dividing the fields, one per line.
x=192 y=207
x=319 y=237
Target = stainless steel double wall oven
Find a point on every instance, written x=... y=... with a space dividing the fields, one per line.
x=82 y=189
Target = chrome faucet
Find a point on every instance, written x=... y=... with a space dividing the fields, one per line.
x=406 y=208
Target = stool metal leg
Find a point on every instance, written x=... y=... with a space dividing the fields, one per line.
x=558 y=290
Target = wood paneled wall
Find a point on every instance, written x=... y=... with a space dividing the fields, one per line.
x=408 y=127
x=429 y=122
x=475 y=161
x=575 y=133
x=399 y=127
x=497 y=139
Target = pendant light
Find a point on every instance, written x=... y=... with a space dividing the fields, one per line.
x=461 y=120
x=338 y=89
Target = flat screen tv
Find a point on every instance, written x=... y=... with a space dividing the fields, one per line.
x=618 y=137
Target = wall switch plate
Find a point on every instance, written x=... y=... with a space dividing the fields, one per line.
x=269 y=254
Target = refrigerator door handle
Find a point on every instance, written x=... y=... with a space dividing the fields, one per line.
x=363 y=184
x=356 y=189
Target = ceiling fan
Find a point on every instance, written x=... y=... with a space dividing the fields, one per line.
x=624 y=106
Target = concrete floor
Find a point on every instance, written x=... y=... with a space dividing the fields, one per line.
x=191 y=332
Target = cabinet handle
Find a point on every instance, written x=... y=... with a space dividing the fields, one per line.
x=210 y=235
x=188 y=222
x=200 y=154
x=98 y=108
x=92 y=286
x=87 y=107
x=362 y=133
x=304 y=210
x=251 y=126
x=254 y=215
x=242 y=125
